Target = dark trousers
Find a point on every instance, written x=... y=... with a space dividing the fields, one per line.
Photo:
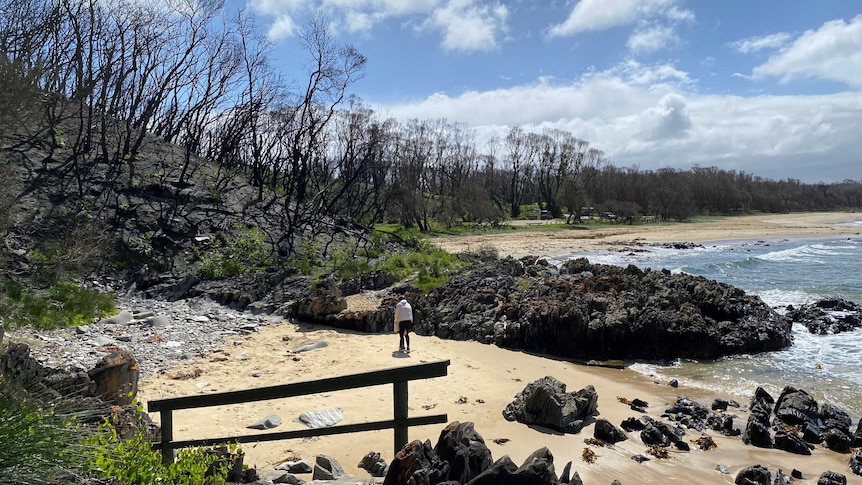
x=404 y=328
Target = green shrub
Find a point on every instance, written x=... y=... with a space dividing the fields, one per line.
x=133 y=461
x=61 y=305
x=245 y=252
x=39 y=437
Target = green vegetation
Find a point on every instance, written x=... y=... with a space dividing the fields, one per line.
x=134 y=462
x=427 y=267
x=415 y=261
x=43 y=439
x=37 y=439
x=61 y=305
x=244 y=252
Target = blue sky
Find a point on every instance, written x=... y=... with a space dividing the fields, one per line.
x=769 y=87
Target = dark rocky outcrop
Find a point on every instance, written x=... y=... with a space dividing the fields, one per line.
x=464 y=459
x=545 y=402
x=416 y=461
x=828 y=316
x=594 y=311
x=757 y=428
x=856 y=463
x=857 y=435
x=836 y=433
x=790 y=441
x=693 y=415
x=796 y=407
x=578 y=311
x=632 y=424
x=798 y=422
x=607 y=432
x=537 y=469
x=754 y=475
x=832 y=478
x=374 y=464
x=465 y=451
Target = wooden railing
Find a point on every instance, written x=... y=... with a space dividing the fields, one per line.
x=397 y=376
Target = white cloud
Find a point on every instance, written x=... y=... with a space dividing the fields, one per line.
x=469 y=27
x=679 y=14
x=832 y=52
x=667 y=120
x=651 y=117
x=651 y=39
x=277 y=8
x=388 y=7
x=465 y=25
x=755 y=44
x=594 y=15
x=283 y=26
x=652 y=76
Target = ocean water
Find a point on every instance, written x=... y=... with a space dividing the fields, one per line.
x=781 y=272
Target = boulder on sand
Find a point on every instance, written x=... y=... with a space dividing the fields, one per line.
x=545 y=402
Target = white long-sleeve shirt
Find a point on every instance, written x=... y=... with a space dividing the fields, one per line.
x=403 y=311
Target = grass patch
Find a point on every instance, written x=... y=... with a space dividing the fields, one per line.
x=428 y=267
x=62 y=305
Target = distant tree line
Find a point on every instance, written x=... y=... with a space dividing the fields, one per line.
x=108 y=75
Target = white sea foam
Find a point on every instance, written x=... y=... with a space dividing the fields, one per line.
x=801 y=254
x=781 y=298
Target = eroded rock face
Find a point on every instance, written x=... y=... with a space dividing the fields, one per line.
x=545 y=402
x=592 y=311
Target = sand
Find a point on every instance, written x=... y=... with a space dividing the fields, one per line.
x=603 y=236
x=481 y=380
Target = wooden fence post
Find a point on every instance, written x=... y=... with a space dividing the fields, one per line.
x=400 y=399
x=167 y=420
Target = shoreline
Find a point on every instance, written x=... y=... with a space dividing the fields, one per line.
x=482 y=380
x=557 y=243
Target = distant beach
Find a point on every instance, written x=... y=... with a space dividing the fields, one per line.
x=599 y=237
x=483 y=379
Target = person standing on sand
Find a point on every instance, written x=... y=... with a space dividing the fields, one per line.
x=403 y=323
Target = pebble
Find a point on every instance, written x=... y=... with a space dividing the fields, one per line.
x=159 y=334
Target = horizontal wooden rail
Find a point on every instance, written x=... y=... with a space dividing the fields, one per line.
x=308 y=433
x=398 y=376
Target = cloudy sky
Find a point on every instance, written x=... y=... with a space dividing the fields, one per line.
x=769 y=87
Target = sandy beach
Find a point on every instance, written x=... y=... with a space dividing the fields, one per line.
x=603 y=236
x=481 y=379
